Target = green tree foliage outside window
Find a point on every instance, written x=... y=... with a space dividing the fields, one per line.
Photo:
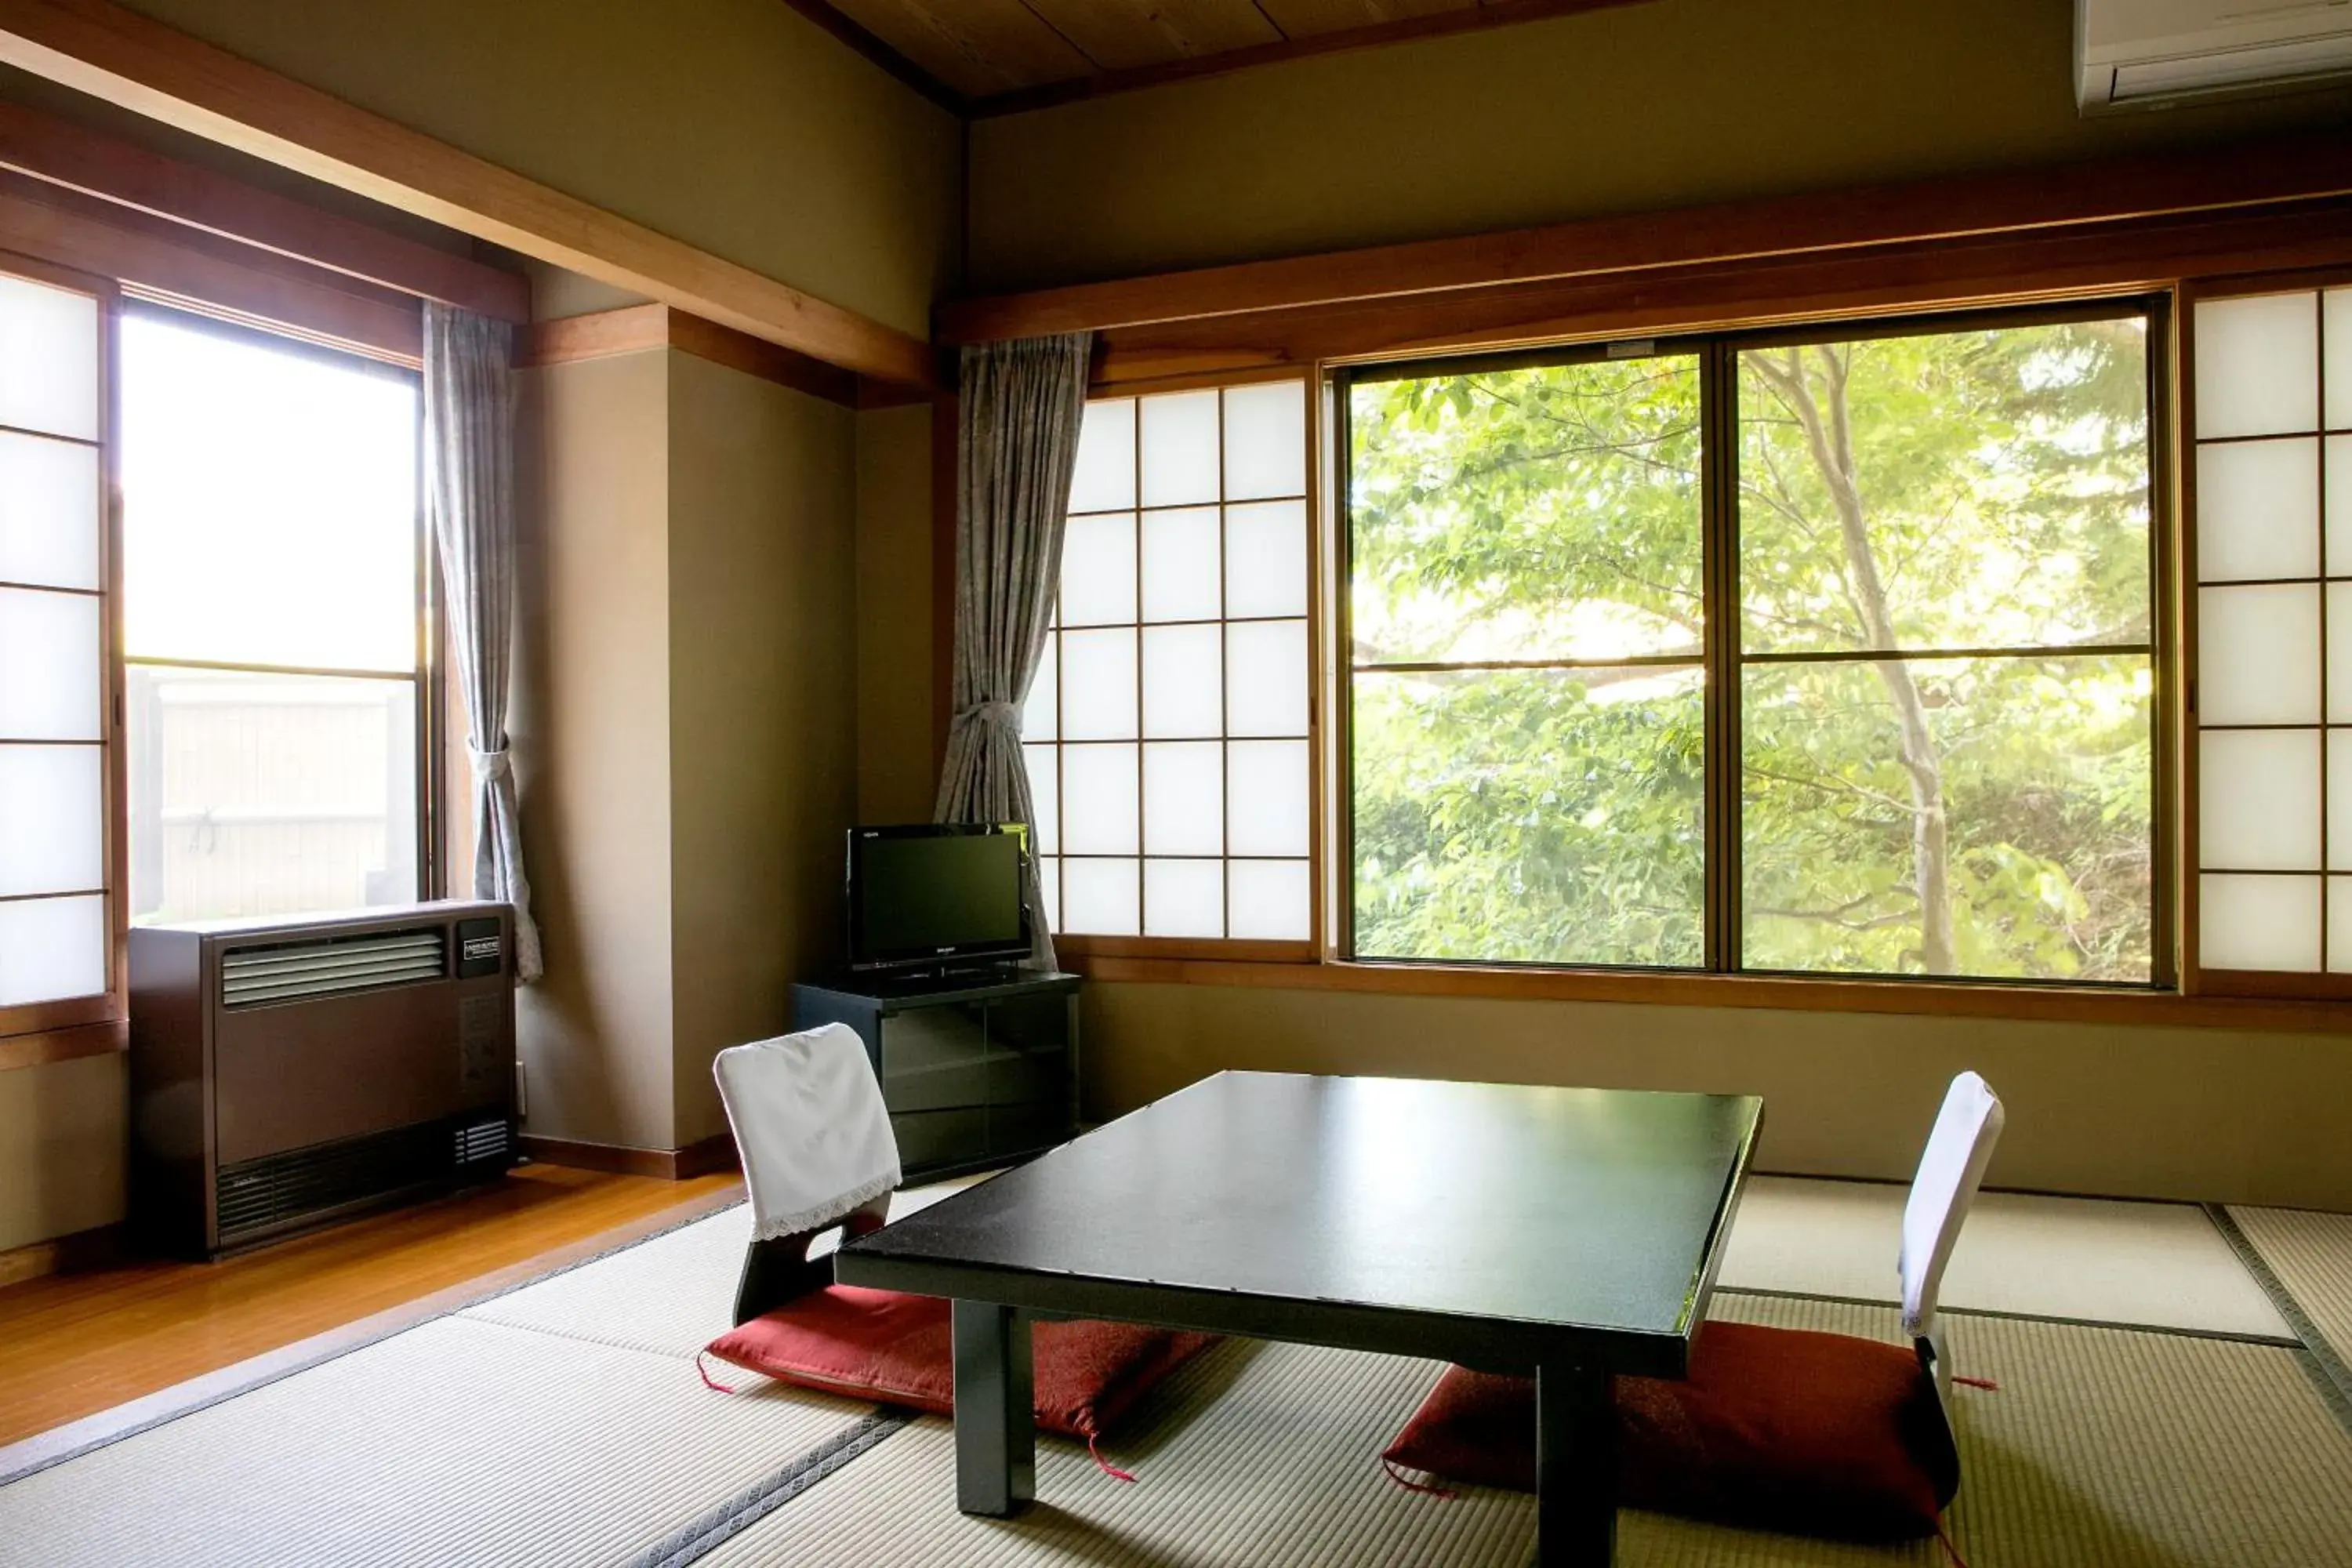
x=1943 y=664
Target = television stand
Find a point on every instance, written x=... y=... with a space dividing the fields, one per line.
x=976 y=1070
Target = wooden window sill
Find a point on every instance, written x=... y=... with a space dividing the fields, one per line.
x=2149 y=1008
x=43 y=1046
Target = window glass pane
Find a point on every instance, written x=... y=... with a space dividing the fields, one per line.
x=1099 y=897
x=261 y=794
x=1266 y=797
x=1183 y=898
x=2258 y=655
x=2259 y=800
x=51 y=661
x=1184 y=798
x=1551 y=512
x=2258 y=922
x=49 y=513
x=1098 y=685
x=1547 y=816
x=1265 y=678
x=1045 y=796
x=1104 y=478
x=1269 y=900
x=1266 y=559
x=1098 y=571
x=1099 y=800
x=49 y=360
x=2257 y=510
x=1265 y=440
x=270 y=502
x=1040 y=713
x=2258 y=365
x=1179 y=449
x=1179 y=565
x=1960 y=490
x=2038 y=773
x=51 y=949
x=52 y=819
x=1182 y=692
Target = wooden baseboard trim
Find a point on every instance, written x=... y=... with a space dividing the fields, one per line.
x=102 y=1247
x=705 y=1157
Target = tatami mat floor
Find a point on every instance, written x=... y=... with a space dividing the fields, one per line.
x=563 y=1424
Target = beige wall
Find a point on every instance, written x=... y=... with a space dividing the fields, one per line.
x=590 y=733
x=1630 y=109
x=735 y=125
x=61 y=1148
x=762 y=697
x=895 y=730
x=2202 y=1114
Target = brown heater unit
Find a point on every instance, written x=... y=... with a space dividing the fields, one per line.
x=289 y=1072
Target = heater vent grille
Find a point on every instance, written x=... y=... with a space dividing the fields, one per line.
x=255 y=976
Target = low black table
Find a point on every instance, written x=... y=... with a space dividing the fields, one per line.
x=1571 y=1234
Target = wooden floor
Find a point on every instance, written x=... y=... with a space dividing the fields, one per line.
x=73 y=1345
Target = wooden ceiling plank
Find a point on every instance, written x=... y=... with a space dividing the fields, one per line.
x=1450 y=16
x=1125 y=35
x=103 y=49
x=1309 y=19
x=977 y=47
x=79 y=159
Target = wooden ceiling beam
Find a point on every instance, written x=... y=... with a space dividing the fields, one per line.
x=2117 y=190
x=108 y=52
x=79 y=159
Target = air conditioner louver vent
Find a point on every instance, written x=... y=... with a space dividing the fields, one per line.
x=252 y=975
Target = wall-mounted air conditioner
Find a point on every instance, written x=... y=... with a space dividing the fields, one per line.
x=2144 y=54
x=288 y=1072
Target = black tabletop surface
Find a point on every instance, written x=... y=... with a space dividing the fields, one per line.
x=1595 y=1208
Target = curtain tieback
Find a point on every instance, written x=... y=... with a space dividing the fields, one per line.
x=490 y=766
x=1000 y=713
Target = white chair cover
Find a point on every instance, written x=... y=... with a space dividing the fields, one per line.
x=809 y=1119
x=1958 y=1150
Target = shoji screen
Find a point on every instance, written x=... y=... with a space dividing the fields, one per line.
x=55 y=920
x=2272 y=455
x=1168 y=726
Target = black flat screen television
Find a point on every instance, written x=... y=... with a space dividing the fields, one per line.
x=936 y=894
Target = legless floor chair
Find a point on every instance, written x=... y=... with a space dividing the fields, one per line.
x=818 y=1154
x=1779 y=1428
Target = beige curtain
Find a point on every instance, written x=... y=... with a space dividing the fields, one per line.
x=1022 y=405
x=470 y=503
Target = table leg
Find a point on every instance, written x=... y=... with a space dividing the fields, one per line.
x=1575 y=1468
x=996 y=1420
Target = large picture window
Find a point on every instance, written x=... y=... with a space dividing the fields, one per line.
x=273 y=624
x=1829 y=654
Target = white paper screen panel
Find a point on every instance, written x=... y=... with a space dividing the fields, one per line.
x=51 y=949
x=2273 y=526
x=1167 y=729
x=49 y=360
x=49 y=517
x=53 y=831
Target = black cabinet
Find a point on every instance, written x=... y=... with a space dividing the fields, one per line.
x=976 y=1072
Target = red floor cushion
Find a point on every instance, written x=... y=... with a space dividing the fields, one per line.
x=1776 y=1428
x=897 y=1349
